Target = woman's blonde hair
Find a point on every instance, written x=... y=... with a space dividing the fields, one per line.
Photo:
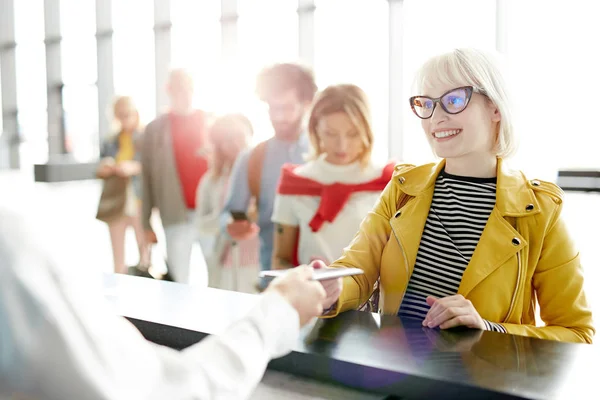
x=481 y=70
x=349 y=99
x=225 y=129
x=124 y=101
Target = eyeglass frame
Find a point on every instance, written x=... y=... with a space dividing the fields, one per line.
x=470 y=91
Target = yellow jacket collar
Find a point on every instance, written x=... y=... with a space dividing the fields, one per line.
x=514 y=195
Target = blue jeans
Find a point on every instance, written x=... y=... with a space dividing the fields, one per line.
x=266 y=251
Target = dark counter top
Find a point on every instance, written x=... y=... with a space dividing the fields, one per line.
x=378 y=354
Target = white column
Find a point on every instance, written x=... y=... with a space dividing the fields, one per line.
x=53 y=38
x=104 y=48
x=306 y=31
x=396 y=75
x=162 y=51
x=501 y=25
x=229 y=32
x=9 y=133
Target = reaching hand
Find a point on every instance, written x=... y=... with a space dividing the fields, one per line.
x=333 y=287
x=304 y=294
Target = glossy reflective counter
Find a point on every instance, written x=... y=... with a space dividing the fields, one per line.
x=376 y=354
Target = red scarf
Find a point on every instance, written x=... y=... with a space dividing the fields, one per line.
x=333 y=196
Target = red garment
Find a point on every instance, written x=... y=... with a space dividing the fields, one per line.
x=188 y=133
x=333 y=197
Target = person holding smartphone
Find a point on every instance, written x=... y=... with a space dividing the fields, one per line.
x=229 y=135
x=288 y=90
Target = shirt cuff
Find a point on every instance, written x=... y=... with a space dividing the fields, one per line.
x=282 y=323
x=493 y=327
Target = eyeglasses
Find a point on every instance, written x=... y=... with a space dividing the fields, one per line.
x=453 y=102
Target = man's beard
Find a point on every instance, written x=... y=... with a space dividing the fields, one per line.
x=287 y=130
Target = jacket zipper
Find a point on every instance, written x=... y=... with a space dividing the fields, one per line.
x=514 y=298
x=405 y=265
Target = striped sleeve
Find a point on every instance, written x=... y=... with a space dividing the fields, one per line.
x=493 y=327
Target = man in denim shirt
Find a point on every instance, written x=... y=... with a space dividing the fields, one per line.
x=288 y=90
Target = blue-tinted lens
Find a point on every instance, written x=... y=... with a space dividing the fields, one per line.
x=455 y=101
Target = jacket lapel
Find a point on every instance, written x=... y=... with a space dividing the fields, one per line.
x=498 y=243
x=408 y=226
x=500 y=240
x=408 y=223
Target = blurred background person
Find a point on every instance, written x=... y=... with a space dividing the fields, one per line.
x=174 y=160
x=120 y=167
x=229 y=136
x=288 y=90
x=319 y=205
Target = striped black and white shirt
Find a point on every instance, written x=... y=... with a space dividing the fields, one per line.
x=459 y=211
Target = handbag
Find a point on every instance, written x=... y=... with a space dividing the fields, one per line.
x=117 y=199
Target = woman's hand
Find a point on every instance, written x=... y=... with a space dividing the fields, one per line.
x=452 y=311
x=128 y=168
x=106 y=168
x=333 y=287
x=322 y=260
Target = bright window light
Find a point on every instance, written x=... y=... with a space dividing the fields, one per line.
x=351 y=46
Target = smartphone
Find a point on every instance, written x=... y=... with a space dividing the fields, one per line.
x=321 y=274
x=239 y=215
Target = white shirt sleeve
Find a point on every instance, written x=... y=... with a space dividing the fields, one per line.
x=58 y=339
x=283 y=210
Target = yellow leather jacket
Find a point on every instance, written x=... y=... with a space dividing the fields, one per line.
x=524 y=251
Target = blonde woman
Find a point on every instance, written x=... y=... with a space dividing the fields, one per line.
x=229 y=136
x=120 y=168
x=468 y=241
x=319 y=205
